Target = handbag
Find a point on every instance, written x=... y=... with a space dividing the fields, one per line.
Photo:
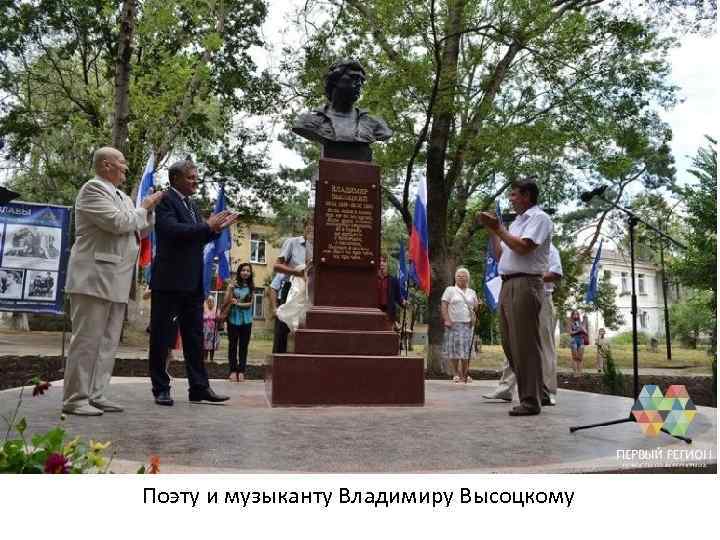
x=586 y=338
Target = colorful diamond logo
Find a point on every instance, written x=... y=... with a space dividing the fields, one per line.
x=674 y=411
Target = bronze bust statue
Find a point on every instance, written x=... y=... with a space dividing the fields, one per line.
x=345 y=131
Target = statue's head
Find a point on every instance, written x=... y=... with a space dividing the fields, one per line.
x=346 y=74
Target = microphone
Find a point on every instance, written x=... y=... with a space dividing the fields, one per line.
x=587 y=196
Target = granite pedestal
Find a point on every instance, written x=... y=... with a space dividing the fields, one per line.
x=346 y=352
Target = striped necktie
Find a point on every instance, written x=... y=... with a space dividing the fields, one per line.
x=189 y=206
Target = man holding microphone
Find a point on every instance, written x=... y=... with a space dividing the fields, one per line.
x=523 y=259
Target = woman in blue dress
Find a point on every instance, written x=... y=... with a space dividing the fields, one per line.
x=237 y=309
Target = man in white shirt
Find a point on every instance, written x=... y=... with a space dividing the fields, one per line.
x=524 y=252
x=506 y=384
x=293 y=254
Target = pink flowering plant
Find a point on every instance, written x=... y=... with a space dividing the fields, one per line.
x=50 y=452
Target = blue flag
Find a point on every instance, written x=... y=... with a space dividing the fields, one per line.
x=591 y=293
x=492 y=281
x=220 y=248
x=402 y=274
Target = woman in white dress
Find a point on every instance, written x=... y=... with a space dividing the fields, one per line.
x=458 y=307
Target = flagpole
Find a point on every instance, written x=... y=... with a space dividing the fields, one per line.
x=216 y=265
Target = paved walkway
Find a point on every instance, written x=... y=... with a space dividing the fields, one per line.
x=50 y=343
x=456 y=431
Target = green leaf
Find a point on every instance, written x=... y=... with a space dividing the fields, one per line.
x=21 y=426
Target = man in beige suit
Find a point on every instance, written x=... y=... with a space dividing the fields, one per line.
x=108 y=229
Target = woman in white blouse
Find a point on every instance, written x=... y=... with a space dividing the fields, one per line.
x=458 y=307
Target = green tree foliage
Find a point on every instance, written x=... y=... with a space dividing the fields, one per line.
x=693 y=318
x=482 y=92
x=697 y=267
x=191 y=78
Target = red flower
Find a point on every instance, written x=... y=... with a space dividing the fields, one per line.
x=154 y=467
x=40 y=388
x=56 y=464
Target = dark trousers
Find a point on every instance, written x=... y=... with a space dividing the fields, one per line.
x=280 y=337
x=239 y=339
x=168 y=312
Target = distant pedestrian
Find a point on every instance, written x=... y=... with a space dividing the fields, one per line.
x=458 y=306
x=578 y=336
x=237 y=310
x=603 y=350
x=211 y=335
x=388 y=288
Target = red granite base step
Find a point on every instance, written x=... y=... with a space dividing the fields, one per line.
x=306 y=380
x=339 y=318
x=346 y=342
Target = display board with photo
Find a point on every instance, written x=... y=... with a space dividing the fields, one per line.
x=33 y=247
x=34 y=251
x=40 y=285
x=11 y=283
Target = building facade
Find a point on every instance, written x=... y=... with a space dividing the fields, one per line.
x=614 y=267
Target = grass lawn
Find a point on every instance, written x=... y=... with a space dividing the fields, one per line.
x=693 y=360
x=491 y=357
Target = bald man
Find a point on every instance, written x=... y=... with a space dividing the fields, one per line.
x=108 y=229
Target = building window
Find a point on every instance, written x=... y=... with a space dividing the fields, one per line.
x=641 y=283
x=643 y=320
x=257 y=249
x=258 y=296
x=607 y=275
x=624 y=283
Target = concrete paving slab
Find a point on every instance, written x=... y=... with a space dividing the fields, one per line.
x=456 y=431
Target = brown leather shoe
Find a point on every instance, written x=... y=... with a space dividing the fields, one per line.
x=522 y=410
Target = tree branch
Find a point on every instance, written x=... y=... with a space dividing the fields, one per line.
x=193 y=87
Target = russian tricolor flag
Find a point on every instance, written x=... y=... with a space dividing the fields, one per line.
x=147 y=182
x=419 y=252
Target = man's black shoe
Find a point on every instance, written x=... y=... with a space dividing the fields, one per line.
x=208 y=395
x=522 y=410
x=163 y=398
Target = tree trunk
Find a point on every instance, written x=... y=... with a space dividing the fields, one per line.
x=19 y=322
x=437 y=191
x=121 y=113
x=713 y=333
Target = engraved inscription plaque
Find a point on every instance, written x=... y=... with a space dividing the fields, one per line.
x=347 y=222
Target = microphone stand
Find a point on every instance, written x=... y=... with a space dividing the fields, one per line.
x=632 y=221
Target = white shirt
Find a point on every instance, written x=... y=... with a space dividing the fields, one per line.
x=459 y=303
x=535 y=225
x=293 y=251
x=555 y=267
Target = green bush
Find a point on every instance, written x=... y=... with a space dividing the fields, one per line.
x=612 y=377
x=41 y=322
x=564 y=341
x=625 y=338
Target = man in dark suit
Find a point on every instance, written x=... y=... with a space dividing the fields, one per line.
x=389 y=297
x=177 y=283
